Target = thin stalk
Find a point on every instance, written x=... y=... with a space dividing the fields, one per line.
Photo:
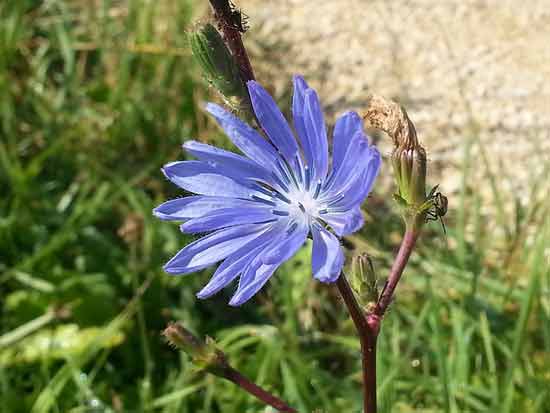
x=229 y=373
x=399 y=264
x=212 y=360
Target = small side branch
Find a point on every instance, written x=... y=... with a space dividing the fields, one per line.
x=210 y=359
x=235 y=377
x=403 y=255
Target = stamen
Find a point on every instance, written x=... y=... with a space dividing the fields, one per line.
x=329 y=180
x=301 y=171
x=337 y=210
x=290 y=172
x=283 y=172
x=262 y=200
x=263 y=190
x=292 y=228
x=282 y=197
x=280 y=213
x=323 y=211
x=279 y=181
x=308 y=177
x=301 y=207
x=331 y=201
x=317 y=189
x=268 y=221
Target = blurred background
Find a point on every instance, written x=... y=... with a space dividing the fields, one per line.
x=95 y=96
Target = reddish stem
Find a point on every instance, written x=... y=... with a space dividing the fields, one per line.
x=368 y=325
x=367 y=337
x=405 y=250
x=229 y=19
x=234 y=376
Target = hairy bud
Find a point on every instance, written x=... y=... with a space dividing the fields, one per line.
x=218 y=65
x=364 y=281
x=409 y=166
x=203 y=354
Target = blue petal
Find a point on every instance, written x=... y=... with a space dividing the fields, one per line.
x=298 y=115
x=238 y=262
x=234 y=165
x=272 y=121
x=268 y=260
x=345 y=223
x=360 y=183
x=356 y=158
x=345 y=128
x=355 y=221
x=260 y=274
x=287 y=245
x=227 y=272
x=327 y=258
x=244 y=137
x=315 y=128
x=226 y=217
x=189 y=207
x=204 y=179
x=213 y=248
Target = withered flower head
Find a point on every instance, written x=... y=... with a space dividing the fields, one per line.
x=408 y=156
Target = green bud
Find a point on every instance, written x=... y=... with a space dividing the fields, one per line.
x=363 y=280
x=409 y=165
x=204 y=354
x=219 y=66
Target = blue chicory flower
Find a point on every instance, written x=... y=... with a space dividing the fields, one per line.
x=261 y=207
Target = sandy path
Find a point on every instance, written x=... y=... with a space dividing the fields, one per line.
x=462 y=68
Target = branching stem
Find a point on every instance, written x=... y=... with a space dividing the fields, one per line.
x=368 y=324
x=367 y=338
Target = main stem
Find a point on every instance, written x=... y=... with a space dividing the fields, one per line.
x=225 y=15
x=368 y=324
x=367 y=337
x=234 y=376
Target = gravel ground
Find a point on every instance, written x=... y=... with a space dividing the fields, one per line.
x=466 y=71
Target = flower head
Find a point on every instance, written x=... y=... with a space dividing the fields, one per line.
x=260 y=208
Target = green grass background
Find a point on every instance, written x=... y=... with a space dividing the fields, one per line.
x=95 y=96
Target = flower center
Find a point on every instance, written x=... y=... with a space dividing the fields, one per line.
x=304 y=203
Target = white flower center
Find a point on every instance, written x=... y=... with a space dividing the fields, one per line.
x=303 y=203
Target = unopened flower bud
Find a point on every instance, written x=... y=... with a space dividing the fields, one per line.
x=409 y=165
x=363 y=280
x=203 y=354
x=218 y=65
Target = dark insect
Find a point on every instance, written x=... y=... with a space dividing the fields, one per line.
x=239 y=20
x=439 y=207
